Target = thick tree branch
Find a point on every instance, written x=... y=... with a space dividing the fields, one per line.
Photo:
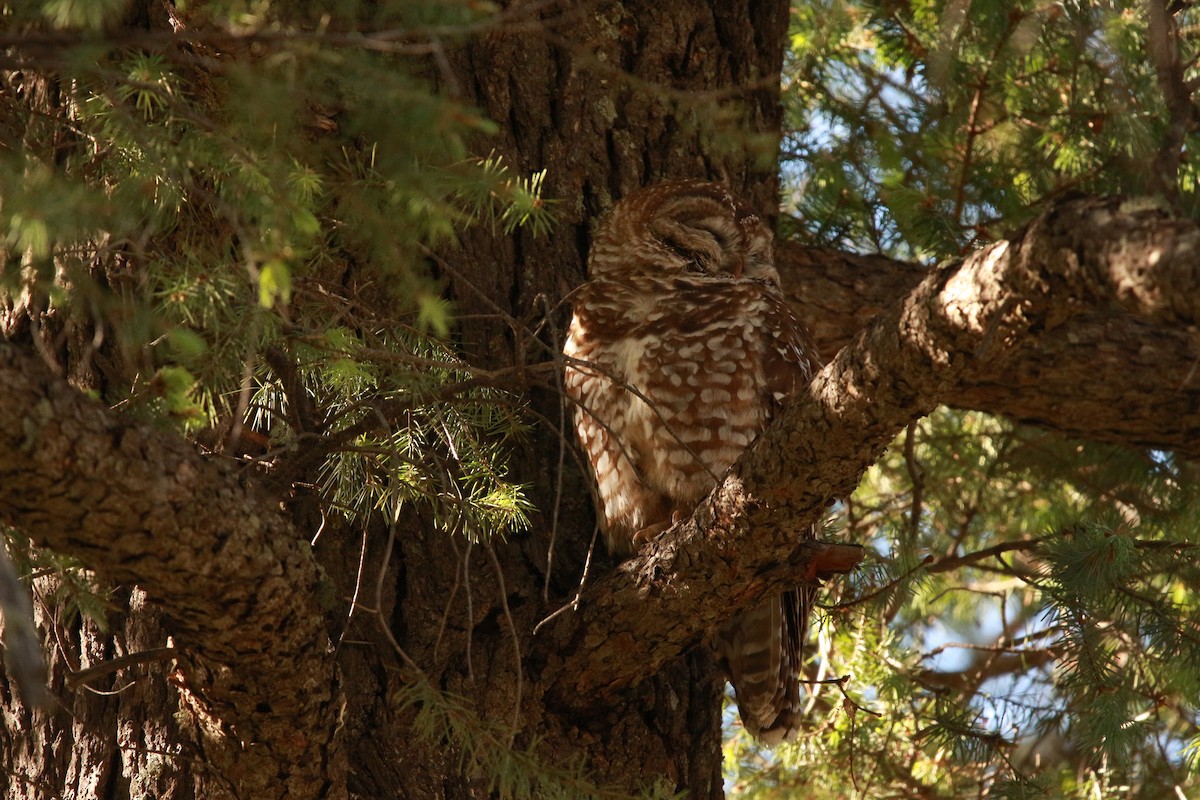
x=998 y=662
x=838 y=293
x=964 y=322
x=1062 y=382
x=141 y=506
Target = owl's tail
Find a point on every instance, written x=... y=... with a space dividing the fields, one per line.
x=762 y=653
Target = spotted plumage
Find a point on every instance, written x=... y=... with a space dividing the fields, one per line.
x=680 y=351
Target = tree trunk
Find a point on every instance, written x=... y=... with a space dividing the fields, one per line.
x=608 y=97
x=616 y=96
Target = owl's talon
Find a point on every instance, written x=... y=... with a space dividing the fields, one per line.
x=650 y=533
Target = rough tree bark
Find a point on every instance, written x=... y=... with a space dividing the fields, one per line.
x=142 y=508
x=266 y=709
x=841 y=292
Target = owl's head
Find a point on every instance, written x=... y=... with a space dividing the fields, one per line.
x=685 y=228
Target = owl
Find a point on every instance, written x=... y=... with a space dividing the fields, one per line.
x=681 y=349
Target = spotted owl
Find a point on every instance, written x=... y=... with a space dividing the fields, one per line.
x=680 y=351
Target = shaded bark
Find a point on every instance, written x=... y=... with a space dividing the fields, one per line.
x=611 y=96
x=122 y=734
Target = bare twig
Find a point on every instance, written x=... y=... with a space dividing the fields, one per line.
x=470 y=627
x=378 y=610
x=848 y=702
x=516 y=640
x=1163 y=46
x=358 y=581
x=437 y=642
x=81 y=677
x=574 y=604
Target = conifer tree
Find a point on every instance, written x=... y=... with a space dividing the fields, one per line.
x=289 y=502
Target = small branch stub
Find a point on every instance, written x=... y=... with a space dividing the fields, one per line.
x=834 y=558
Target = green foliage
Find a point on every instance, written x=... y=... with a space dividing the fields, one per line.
x=253 y=239
x=921 y=129
x=519 y=203
x=228 y=224
x=447 y=457
x=486 y=750
x=1028 y=623
x=1027 y=626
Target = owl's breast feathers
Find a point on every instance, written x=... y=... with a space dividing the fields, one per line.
x=683 y=375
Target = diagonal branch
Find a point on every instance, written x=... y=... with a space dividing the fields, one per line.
x=141 y=506
x=1061 y=382
x=965 y=322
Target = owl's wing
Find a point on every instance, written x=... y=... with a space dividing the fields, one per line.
x=790 y=357
x=596 y=387
x=763 y=648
